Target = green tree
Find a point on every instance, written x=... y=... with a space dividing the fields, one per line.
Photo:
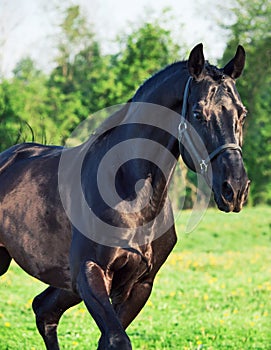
x=23 y=110
x=10 y=121
x=147 y=49
x=71 y=87
x=29 y=85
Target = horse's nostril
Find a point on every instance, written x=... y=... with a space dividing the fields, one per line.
x=227 y=191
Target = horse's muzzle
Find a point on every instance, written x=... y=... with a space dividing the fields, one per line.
x=233 y=195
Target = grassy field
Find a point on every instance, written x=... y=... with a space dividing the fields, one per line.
x=213 y=293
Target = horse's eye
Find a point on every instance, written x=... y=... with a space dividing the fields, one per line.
x=242 y=115
x=243 y=118
x=198 y=115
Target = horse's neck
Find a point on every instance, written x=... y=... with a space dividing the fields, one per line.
x=158 y=116
x=152 y=165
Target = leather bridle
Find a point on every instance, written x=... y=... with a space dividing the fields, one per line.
x=185 y=139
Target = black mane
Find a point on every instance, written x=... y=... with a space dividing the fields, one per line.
x=157 y=78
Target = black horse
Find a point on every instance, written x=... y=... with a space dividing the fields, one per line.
x=114 y=274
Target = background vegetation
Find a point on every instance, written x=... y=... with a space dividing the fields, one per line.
x=213 y=293
x=46 y=107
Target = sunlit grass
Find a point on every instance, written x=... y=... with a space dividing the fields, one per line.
x=213 y=293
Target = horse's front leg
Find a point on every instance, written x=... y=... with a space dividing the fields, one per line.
x=130 y=308
x=91 y=285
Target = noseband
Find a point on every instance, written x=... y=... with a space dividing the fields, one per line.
x=184 y=138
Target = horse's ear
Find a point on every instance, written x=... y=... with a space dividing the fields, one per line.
x=235 y=67
x=196 y=61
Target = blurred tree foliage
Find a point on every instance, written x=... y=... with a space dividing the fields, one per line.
x=46 y=108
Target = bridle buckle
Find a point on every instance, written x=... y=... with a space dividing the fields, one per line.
x=203 y=166
x=181 y=129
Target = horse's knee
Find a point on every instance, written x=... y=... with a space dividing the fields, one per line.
x=36 y=305
x=52 y=303
x=39 y=313
x=46 y=324
x=41 y=306
x=5 y=260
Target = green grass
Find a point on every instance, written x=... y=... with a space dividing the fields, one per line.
x=213 y=293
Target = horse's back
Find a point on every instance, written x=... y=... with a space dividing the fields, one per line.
x=25 y=151
x=33 y=225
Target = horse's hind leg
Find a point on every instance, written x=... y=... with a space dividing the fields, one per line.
x=5 y=260
x=49 y=307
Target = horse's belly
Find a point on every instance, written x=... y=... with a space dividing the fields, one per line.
x=37 y=235
x=33 y=225
x=47 y=259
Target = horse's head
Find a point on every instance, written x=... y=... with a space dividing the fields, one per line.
x=215 y=110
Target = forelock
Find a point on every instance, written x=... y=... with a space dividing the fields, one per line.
x=215 y=73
